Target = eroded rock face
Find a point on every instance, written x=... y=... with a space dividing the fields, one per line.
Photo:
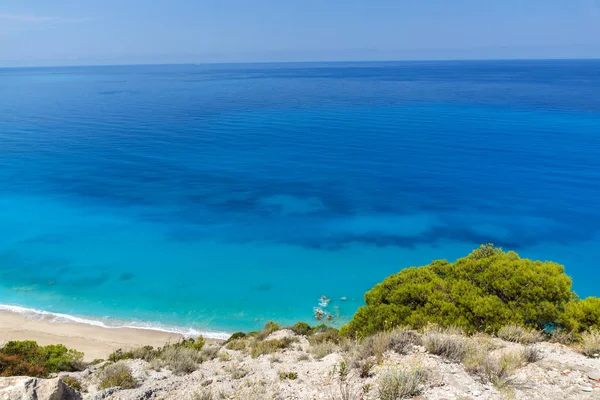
x=25 y=388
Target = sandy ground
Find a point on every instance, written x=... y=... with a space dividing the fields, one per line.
x=94 y=341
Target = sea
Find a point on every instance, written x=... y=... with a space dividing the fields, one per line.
x=214 y=198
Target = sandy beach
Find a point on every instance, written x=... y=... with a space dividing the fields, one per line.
x=94 y=341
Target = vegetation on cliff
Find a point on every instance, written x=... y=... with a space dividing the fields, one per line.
x=482 y=292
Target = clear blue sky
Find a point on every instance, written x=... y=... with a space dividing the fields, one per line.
x=66 y=32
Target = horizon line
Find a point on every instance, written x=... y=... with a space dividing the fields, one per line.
x=300 y=62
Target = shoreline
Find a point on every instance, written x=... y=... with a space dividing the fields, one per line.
x=93 y=340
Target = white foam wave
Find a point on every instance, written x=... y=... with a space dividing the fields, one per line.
x=110 y=323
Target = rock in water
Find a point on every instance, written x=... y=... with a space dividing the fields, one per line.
x=25 y=388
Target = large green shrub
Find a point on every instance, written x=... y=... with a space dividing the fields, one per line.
x=581 y=315
x=40 y=360
x=484 y=291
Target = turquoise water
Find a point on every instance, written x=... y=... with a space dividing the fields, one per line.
x=215 y=198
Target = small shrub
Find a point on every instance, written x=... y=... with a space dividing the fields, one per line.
x=196 y=344
x=344 y=380
x=519 y=334
x=301 y=328
x=269 y=328
x=367 y=353
x=180 y=360
x=270 y=346
x=331 y=335
x=395 y=384
x=450 y=346
x=72 y=381
x=224 y=356
x=206 y=395
x=401 y=340
x=238 y=373
x=303 y=357
x=292 y=376
x=590 y=343
x=146 y=353
x=116 y=375
x=494 y=369
x=236 y=336
x=119 y=355
x=96 y=361
x=561 y=336
x=322 y=350
x=532 y=354
x=209 y=353
x=365 y=369
x=238 y=344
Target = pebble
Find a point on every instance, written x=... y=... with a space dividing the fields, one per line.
x=476 y=393
x=586 y=389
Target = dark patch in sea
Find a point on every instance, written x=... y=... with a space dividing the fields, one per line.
x=87 y=281
x=126 y=276
x=264 y=287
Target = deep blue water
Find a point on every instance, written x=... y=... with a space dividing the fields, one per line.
x=220 y=196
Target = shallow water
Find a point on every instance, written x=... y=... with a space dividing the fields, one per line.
x=217 y=197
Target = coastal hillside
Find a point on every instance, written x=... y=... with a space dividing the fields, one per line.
x=283 y=364
x=491 y=325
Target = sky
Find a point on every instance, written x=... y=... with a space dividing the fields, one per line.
x=94 y=32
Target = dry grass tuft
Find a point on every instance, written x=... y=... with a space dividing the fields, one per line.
x=322 y=350
x=519 y=334
x=590 y=343
x=401 y=340
x=207 y=395
x=493 y=368
x=396 y=384
x=237 y=344
x=532 y=354
x=452 y=346
x=270 y=346
x=563 y=337
x=180 y=360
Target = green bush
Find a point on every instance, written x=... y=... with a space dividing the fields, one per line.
x=581 y=315
x=236 y=336
x=40 y=359
x=116 y=375
x=482 y=292
x=196 y=344
x=301 y=328
x=331 y=335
